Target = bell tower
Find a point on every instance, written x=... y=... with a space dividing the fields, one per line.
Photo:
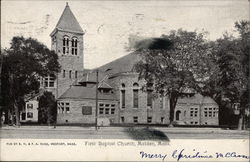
x=67 y=42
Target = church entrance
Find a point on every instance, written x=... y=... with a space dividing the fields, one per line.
x=177 y=115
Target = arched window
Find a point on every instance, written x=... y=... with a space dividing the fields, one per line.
x=123 y=95
x=75 y=74
x=135 y=85
x=65 y=45
x=74 y=46
x=135 y=95
x=177 y=115
x=161 y=102
x=149 y=98
x=70 y=74
x=64 y=73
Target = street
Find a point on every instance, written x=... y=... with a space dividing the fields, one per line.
x=63 y=132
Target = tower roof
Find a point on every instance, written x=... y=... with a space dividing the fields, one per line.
x=68 y=22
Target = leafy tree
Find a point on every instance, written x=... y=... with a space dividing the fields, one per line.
x=229 y=82
x=174 y=63
x=24 y=63
x=47 y=109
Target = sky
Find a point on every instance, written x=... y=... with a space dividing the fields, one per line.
x=109 y=25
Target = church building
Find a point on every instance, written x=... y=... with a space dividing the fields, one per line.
x=114 y=87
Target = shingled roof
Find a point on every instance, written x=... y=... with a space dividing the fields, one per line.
x=122 y=64
x=196 y=99
x=104 y=85
x=91 y=77
x=80 y=92
x=68 y=22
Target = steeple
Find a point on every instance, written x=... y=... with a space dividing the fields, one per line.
x=68 y=22
x=67 y=42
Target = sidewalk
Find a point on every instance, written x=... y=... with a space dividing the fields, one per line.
x=77 y=132
x=47 y=127
x=92 y=128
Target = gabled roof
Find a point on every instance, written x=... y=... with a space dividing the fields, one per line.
x=34 y=95
x=91 y=77
x=186 y=90
x=80 y=92
x=104 y=85
x=68 y=22
x=116 y=67
x=120 y=65
x=196 y=99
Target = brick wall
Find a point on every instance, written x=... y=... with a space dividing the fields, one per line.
x=159 y=114
x=200 y=119
x=76 y=116
x=68 y=62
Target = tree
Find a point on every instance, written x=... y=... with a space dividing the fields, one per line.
x=229 y=82
x=173 y=63
x=24 y=63
x=47 y=109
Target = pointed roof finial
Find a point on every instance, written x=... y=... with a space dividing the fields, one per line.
x=67 y=4
x=68 y=22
